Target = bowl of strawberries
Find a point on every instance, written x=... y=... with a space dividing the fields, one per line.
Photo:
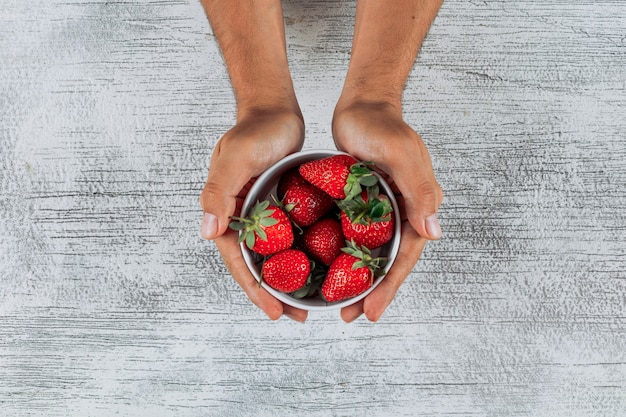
x=319 y=230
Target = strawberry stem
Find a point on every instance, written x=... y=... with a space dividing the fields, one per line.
x=253 y=226
x=365 y=259
x=360 y=175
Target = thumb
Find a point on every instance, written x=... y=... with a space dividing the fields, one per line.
x=422 y=197
x=219 y=197
x=421 y=204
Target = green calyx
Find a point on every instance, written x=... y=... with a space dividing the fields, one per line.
x=375 y=209
x=365 y=259
x=254 y=224
x=313 y=282
x=360 y=176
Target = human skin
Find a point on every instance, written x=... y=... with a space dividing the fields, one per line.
x=368 y=114
x=269 y=126
x=368 y=124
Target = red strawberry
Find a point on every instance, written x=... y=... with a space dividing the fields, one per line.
x=286 y=271
x=368 y=219
x=266 y=230
x=372 y=234
x=351 y=274
x=289 y=179
x=324 y=240
x=340 y=176
x=306 y=204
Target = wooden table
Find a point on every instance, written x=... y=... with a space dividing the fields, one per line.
x=112 y=304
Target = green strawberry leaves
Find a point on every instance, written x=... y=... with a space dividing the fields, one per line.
x=365 y=259
x=259 y=218
x=375 y=209
x=360 y=175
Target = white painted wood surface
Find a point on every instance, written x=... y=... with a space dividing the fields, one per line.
x=111 y=304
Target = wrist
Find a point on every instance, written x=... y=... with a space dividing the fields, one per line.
x=366 y=87
x=381 y=103
x=353 y=119
x=264 y=87
x=363 y=88
x=287 y=107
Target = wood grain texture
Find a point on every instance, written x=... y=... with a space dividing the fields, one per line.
x=111 y=304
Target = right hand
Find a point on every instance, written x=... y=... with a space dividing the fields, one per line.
x=376 y=132
x=255 y=143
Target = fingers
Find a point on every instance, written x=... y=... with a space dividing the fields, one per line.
x=352 y=312
x=225 y=181
x=411 y=247
x=376 y=132
x=375 y=304
x=415 y=180
x=294 y=313
x=244 y=152
x=422 y=202
x=233 y=259
x=255 y=143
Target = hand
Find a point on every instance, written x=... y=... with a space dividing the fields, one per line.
x=376 y=132
x=256 y=142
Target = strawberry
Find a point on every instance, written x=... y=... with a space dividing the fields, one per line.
x=351 y=274
x=340 y=176
x=286 y=271
x=324 y=240
x=266 y=230
x=289 y=179
x=306 y=204
x=368 y=219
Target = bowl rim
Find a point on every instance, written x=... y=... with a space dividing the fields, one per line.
x=253 y=196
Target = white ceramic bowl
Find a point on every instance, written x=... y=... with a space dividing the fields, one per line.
x=265 y=186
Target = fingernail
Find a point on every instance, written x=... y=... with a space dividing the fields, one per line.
x=209 y=226
x=433 y=227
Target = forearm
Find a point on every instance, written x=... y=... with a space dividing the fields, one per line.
x=252 y=39
x=387 y=38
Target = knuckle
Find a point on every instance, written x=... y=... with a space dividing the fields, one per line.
x=211 y=192
x=427 y=191
x=430 y=194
